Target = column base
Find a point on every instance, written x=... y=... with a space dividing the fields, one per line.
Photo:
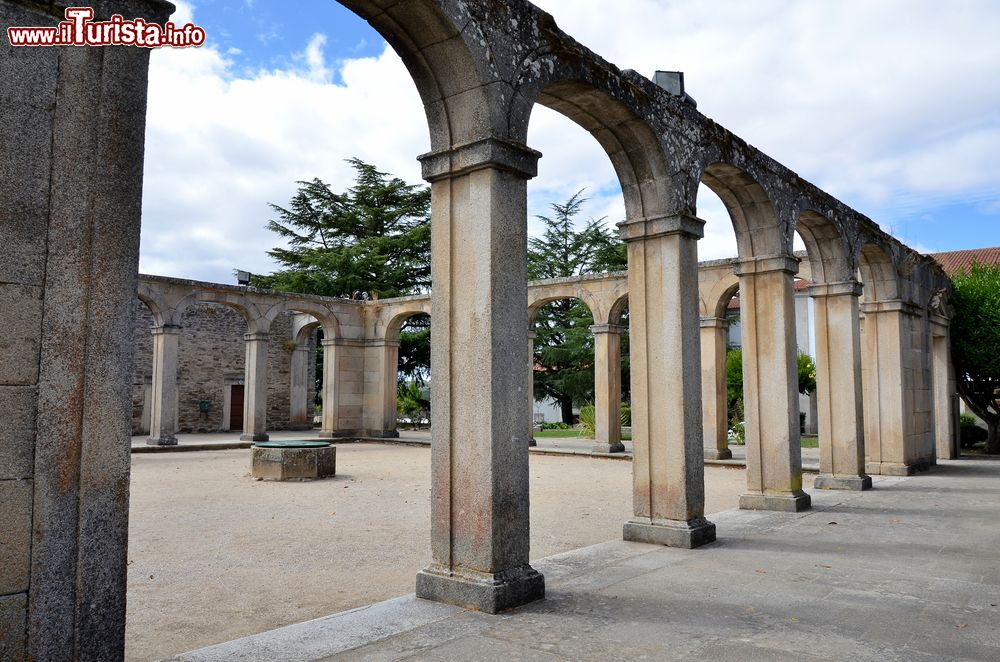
x=337 y=434
x=718 y=454
x=481 y=591
x=850 y=483
x=532 y=442
x=890 y=469
x=254 y=436
x=789 y=502
x=162 y=440
x=672 y=533
x=382 y=434
x=618 y=447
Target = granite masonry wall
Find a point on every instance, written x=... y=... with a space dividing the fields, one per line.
x=210 y=361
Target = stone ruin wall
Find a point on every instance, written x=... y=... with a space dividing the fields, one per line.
x=211 y=358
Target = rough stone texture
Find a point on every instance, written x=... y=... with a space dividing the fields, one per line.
x=13 y=636
x=293 y=463
x=211 y=357
x=17 y=433
x=15 y=535
x=21 y=321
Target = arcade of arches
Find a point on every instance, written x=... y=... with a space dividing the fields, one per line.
x=72 y=192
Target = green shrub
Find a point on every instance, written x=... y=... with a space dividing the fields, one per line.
x=626 y=414
x=970 y=434
x=588 y=421
x=559 y=425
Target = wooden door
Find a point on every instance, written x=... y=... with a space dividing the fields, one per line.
x=236 y=407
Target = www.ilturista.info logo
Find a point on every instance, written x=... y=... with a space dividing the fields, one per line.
x=79 y=30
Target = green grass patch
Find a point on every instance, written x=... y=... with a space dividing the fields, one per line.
x=557 y=434
x=810 y=442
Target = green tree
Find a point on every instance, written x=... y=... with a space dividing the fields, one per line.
x=975 y=344
x=371 y=241
x=734 y=381
x=564 y=346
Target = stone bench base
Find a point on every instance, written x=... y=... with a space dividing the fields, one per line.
x=293 y=463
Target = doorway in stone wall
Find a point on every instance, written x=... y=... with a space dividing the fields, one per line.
x=235 y=407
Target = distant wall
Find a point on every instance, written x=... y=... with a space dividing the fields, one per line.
x=210 y=360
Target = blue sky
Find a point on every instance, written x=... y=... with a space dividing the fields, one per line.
x=891 y=105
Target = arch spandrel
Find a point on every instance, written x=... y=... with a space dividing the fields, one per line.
x=388 y=319
x=759 y=231
x=830 y=258
x=879 y=275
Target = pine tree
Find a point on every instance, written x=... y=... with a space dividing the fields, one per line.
x=564 y=345
x=371 y=241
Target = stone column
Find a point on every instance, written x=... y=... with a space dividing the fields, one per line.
x=255 y=392
x=381 y=370
x=838 y=387
x=888 y=400
x=770 y=385
x=607 y=388
x=163 y=421
x=668 y=466
x=531 y=389
x=331 y=424
x=479 y=454
x=945 y=413
x=714 y=396
x=300 y=416
x=71 y=154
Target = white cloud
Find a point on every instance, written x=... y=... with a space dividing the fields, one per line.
x=888 y=105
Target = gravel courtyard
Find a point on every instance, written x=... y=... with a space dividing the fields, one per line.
x=215 y=555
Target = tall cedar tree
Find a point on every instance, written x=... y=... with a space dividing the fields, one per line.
x=564 y=345
x=975 y=345
x=373 y=240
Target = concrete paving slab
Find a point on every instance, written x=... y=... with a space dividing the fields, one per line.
x=891 y=580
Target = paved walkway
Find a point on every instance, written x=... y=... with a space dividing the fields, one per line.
x=907 y=571
x=568 y=445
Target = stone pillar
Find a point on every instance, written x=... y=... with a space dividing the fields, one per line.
x=668 y=466
x=714 y=396
x=381 y=370
x=479 y=454
x=607 y=388
x=300 y=416
x=330 y=426
x=71 y=154
x=888 y=401
x=255 y=392
x=945 y=412
x=163 y=421
x=770 y=385
x=531 y=389
x=838 y=387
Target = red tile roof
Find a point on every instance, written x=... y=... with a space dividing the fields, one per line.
x=954 y=261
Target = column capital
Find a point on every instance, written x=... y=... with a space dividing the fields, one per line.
x=889 y=306
x=606 y=328
x=839 y=289
x=259 y=337
x=651 y=227
x=767 y=264
x=166 y=330
x=495 y=153
x=709 y=322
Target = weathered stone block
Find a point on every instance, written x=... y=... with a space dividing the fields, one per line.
x=849 y=483
x=17 y=434
x=686 y=535
x=15 y=535
x=13 y=609
x=788 y=503
x=21 y=321
x=293 y=463
x=490 y=593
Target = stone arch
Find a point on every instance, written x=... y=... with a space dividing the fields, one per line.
x=755 y=220
x=436 y=45
x=256 y=322
x=618 y=309
x=395 y=324
x=829 y=259
x=878 y=274
x=535 y=303
x=629 y=141
x=323 y=315
x=154 y=301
